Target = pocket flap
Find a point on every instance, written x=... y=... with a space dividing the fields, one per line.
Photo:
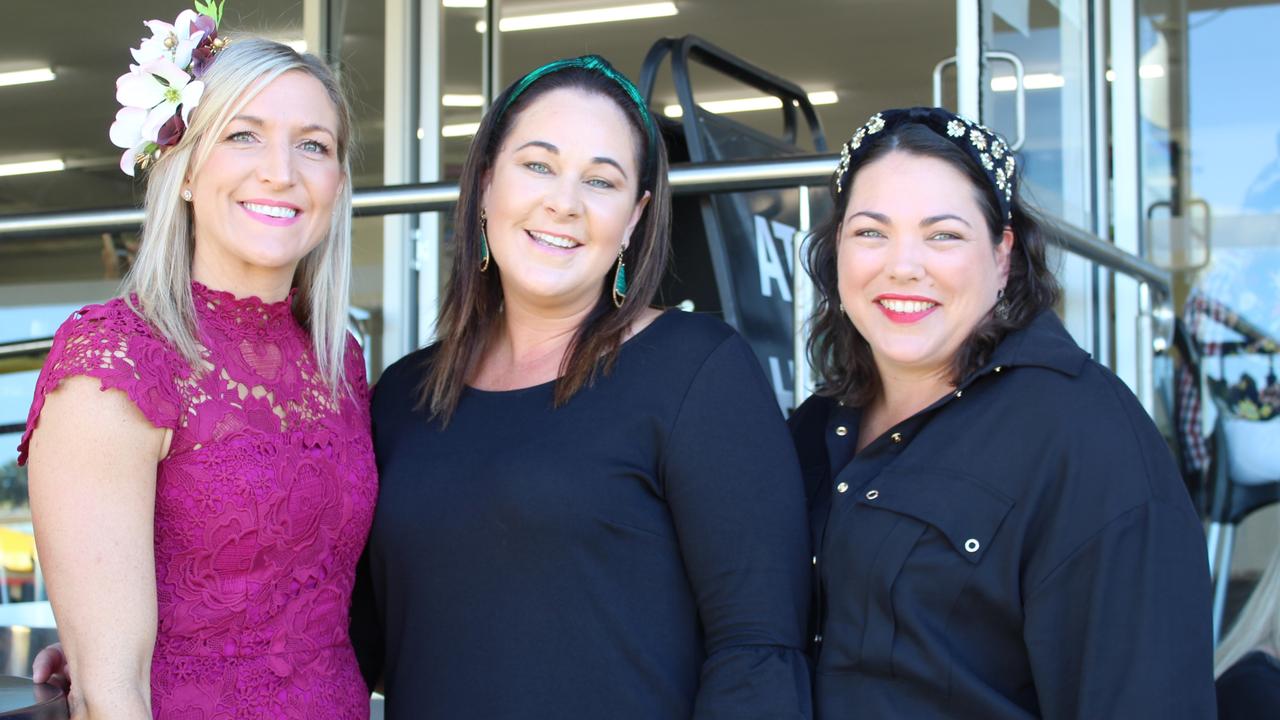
x=963 y=509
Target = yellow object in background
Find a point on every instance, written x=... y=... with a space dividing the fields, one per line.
x=17 y=550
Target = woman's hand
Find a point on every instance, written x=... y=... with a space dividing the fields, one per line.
x=50 y=666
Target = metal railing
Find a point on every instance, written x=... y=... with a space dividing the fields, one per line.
x=797 y=172
x=434 y=197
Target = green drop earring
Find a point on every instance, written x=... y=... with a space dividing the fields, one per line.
x=484 y=242
x=620 y=281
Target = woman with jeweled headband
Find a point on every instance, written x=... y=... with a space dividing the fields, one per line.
x=1000 y=530
x=589 y=507
x=202 y=475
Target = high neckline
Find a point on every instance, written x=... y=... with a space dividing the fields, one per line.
x=252 y=311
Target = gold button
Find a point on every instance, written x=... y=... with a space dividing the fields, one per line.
x=896 y=437
x=999 y=368
x=842 y=487
x=959 y=393
x=873 y=494
x=971 y=545
x=842 y=431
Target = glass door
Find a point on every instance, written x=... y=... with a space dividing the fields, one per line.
x=1036 y=87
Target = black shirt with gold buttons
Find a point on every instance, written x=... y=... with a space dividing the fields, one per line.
x=1022 y=548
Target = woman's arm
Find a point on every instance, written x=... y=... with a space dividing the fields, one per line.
x=1120 y=629
x=92 y=486
x=733 y=484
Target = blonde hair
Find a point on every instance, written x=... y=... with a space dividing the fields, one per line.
x=1259 y=623
x=158 y=287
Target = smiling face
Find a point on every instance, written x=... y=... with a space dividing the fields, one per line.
x=264 y=197
x=916 y=263
x=560 y=199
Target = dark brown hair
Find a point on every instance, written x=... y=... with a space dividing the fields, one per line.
x=473 y=300
x=840 y=355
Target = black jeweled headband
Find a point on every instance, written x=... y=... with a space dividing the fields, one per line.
x=986 y=148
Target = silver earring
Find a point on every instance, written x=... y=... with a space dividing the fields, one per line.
x=1002 y=309
x=186 y=194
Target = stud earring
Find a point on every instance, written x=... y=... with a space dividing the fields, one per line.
x=186 y=194
x=620 y=281
x=484 y=241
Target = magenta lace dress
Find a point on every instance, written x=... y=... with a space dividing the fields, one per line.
x=262 y=505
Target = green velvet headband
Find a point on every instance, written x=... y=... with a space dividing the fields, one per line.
x=594 y=63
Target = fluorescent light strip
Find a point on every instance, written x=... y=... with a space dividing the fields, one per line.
x=456 y=100
x=1046 y=81
x=299 y=46
x=460 y=130
x=463 y=3
x=1033 y=81
x=26 y=77
x=750 y=104
x=31 y=167
x=616 y=13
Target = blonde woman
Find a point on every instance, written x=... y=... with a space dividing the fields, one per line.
x=1247 y=663
x=202 y=477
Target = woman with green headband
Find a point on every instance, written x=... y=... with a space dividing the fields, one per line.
x=589 y=508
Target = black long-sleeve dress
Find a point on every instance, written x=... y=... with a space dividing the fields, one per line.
x=1022 y=548
x=640 y=552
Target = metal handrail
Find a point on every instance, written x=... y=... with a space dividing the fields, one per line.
x=434 y=197
x=686 y=179
x=25 y=348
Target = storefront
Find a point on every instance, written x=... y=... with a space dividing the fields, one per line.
x=1146 y=129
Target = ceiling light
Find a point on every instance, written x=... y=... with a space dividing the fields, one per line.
x=749 y=104
x=1032 y=81
x=463 y=3
x=460 y=130
x=455 y=100
x=584 y=17
x=1148 y=72
x=32 y=166
x=24 y=77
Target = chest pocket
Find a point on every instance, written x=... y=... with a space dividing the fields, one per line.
x=940 y=526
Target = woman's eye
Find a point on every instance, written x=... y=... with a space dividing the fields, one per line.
x=868 y=233
x=540 y=168
x=944 y=236
x=315 y=146
x=240 y=136
x=600 y=183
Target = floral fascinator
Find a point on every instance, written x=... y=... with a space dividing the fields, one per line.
x=161 y=90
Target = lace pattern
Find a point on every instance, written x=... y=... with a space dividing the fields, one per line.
x=263 y=504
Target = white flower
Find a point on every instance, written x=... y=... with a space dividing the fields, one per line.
x=955 y=128
x=978 y=140
x=172 y=42
x=126 y=132
x=875 y=124
x=159 y=87
x=986 y=161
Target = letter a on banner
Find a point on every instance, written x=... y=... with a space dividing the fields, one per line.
x=771 y=268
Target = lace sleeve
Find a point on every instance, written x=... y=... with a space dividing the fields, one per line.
x=113 y=344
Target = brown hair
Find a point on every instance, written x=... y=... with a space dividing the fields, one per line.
x=473 y=300
x=840 y=354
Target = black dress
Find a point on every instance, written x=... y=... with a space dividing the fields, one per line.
x=1250 y=689
x=1022 y=548
x=640 y=552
